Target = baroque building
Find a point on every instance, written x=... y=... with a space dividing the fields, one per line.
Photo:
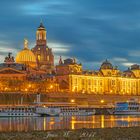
x=42 y=52
x=108 y=80
x=20 y=77
x=32 y=72
x=67 y=67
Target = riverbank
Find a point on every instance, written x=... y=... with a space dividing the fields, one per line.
x=132 y=133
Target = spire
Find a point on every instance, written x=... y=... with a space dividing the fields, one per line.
x=60 y=61
x=41 y=24
x=9 y=59
x=106 y=60
x=25 y=44
x=41 y=21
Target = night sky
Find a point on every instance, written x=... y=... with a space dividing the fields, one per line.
x=88 y=30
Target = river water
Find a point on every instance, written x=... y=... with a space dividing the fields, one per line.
x=71 y=122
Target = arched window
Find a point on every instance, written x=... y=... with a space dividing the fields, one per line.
x=38 y=57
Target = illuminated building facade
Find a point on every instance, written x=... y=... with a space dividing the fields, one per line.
x=43 y=53
x=108 y=80
x=20 y=77
x=32 y=72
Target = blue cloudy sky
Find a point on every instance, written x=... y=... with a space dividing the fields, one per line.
x=89 y=30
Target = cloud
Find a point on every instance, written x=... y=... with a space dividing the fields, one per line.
x=127 y=64
x=134 y=53
x=5 y=48
x=90 y=31
x=118 y=59
x=45 y=8
x=59 y=48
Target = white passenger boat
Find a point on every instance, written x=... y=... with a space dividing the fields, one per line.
x=70 y=109
x=45 y=109
x=67 y=109
x=131 y=107
x=9 y=111
x=48 y=111
x=28 y=111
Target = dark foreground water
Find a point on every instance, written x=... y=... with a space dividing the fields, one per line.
x=52 y=123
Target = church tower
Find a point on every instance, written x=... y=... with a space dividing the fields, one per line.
x=43 y=53
x=41 y=38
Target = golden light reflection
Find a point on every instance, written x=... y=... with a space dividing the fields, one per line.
x=52 y=122
x=73 y=123
x=93 y=121
x=102 y=121
x=112 y=118
x=44 y=123
x=129 y=119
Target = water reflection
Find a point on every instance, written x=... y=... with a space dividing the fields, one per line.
x=73 y=122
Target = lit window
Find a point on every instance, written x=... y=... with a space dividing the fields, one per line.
x=38 y=57
x=47 y=58
x=38 y=49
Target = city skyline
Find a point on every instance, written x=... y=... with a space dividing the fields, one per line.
x=90 y=32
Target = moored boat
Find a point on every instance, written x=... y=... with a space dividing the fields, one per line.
x=131 y=107
x=27 y=111
x=17 y=111
x=71 y=109
x=45 y=109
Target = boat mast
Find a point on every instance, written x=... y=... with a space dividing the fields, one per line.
x=38 y=98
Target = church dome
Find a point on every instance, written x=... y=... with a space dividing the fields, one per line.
x=26 y=56
x=106 y=65
x=69 y=61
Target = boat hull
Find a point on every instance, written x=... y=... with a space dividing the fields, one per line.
x=5 y=114
x=126 y=113
x=77 y=114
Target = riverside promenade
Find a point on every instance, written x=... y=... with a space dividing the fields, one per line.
x=81 y=99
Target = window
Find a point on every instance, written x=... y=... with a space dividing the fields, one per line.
x=38 y=57
x=47 y=58
x=83 y=82
x=38 y=49
x=75 y=81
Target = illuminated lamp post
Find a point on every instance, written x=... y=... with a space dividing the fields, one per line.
x=102 y=101
x=72 y=101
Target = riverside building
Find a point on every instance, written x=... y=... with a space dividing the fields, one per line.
x=107 y=80
x=33 y=71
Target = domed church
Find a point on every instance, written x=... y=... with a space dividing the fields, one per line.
x=26 y=56
x=43 y=54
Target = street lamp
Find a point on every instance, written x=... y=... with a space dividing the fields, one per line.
x=72 y=101
x=51 y=86
x=102 y=101
x=29 y=85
